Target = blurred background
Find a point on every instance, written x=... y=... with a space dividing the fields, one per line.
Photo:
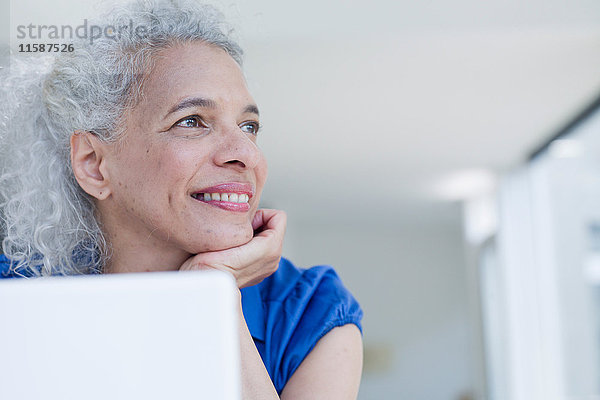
x=444 y=156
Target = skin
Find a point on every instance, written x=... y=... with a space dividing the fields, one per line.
x=142 y=187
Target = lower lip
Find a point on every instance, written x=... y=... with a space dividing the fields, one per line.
x=226 y=205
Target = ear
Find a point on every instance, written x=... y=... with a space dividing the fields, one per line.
x=89 y=164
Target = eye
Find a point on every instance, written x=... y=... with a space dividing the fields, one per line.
x=193 y=121
x=251 y=127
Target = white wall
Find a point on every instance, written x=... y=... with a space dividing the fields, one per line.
x=569 y=188
x=412 y=285
x=547 y=273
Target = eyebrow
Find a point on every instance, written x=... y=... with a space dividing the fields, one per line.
x=251 y=109
x=206 y=103
x=191 y=103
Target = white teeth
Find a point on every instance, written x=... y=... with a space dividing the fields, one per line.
x=229 y=197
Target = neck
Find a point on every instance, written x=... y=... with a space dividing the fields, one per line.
x=143 y=259
x=130 y=254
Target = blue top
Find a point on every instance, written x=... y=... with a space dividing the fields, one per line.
x=288 y=313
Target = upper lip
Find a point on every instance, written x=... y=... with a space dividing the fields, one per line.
x=229 y=187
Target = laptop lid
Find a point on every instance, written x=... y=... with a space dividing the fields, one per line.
x=166 y=335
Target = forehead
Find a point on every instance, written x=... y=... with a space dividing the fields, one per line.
x=194 y=69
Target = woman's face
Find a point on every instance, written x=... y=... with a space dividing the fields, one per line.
x=187 y=173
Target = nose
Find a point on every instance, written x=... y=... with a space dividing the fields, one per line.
x=237 y=150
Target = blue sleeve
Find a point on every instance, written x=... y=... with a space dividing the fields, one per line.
x=300 y=306
x=5 y=271
x=8 y=269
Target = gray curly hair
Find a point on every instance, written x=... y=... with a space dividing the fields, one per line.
x=49 y=223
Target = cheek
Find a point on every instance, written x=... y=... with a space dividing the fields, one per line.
x=150 y=173
x=261 y=172
x=187 y=155
x=170 y=165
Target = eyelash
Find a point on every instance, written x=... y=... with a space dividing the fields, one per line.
x=201 y=124
x=196 y=118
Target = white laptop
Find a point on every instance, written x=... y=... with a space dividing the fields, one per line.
x=150 y=336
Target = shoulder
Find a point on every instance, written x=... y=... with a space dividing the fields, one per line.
x=291 y=310
x=289 y=279
x=13 y=269
x=316 y=294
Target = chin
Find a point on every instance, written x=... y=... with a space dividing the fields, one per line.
x=223 y=238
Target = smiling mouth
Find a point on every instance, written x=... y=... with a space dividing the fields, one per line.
x=237 y=202
x=222 y=197
x=229 y=196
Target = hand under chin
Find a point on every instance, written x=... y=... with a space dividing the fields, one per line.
x=250 y=257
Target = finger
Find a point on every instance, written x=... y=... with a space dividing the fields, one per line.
x=263 y=216
x=235 y=257
x=258 y=220
x=270 y=220
x=246 y=265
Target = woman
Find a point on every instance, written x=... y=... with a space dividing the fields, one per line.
x=138 y=153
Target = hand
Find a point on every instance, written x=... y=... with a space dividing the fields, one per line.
x=252 y=262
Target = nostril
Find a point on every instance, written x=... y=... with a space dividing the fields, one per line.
x=237 y=163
